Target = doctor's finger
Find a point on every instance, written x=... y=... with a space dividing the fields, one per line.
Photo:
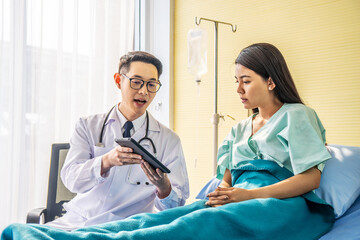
x=151 y=170
x=160 y=173
x=157 y=173
x=126 y=161
x=124 y=149
x=152 y=174
x=129 y=155
x=147 y=172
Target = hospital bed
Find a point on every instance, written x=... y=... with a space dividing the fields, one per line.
x=340 y=186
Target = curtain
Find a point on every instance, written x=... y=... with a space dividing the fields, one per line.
x=57 y=60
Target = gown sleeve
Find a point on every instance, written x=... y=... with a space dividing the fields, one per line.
x=304 y=136
x=224 y=156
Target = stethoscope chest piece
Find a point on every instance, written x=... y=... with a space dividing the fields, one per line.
x=100 y=145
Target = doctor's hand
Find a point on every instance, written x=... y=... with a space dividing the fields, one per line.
x=119 y=156
x=222 y=196
x=158 y=178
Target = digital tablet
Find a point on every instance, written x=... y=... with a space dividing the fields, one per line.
x=131 y=143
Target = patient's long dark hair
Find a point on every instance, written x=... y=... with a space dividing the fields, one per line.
x=267 y=61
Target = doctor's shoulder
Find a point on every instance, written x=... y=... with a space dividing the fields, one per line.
x=91 y=121
x=167 y=134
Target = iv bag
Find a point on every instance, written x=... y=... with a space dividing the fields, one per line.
x=197 y=50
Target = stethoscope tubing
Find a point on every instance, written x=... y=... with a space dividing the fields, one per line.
x=103 y=127
x=142 y=139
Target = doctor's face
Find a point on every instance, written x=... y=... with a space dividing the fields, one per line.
x=135 y=101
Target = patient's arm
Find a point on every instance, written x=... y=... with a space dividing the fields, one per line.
x=291 y=187
x=219 y=200
x=226 y=181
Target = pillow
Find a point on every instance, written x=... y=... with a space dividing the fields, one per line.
x=208 y=188
x=340 y=179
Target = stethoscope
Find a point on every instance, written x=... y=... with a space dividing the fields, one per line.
x=100 y=143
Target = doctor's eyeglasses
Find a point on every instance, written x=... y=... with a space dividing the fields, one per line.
x=137 y=83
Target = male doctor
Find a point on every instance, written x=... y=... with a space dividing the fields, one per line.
x=111 y=181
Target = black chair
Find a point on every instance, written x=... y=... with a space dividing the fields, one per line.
x=58 y=194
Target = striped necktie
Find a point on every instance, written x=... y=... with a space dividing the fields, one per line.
x=127 y=126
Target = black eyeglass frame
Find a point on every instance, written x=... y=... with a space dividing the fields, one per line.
x=143 y=82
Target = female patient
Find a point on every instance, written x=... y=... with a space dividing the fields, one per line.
x=269 y=164
x=281 y=129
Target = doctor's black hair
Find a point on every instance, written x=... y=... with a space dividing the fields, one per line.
x=267 y=61
x=138 y=56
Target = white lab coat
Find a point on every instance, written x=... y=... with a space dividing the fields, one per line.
x=112 y=197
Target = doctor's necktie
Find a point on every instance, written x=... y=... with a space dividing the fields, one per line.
x=127 y=126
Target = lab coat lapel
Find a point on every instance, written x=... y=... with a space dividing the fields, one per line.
x=113 y=127
x=153 y=127
x=140 y=133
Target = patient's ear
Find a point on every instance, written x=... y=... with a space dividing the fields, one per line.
x=271 y=84
x=117 y=80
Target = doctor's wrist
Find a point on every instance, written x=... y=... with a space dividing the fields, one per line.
x=163 y=193
x=104 y=165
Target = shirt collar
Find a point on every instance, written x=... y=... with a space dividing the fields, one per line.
x=137 y=122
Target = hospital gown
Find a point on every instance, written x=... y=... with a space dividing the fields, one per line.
x=293 y=137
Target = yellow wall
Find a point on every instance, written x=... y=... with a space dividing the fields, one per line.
x=320 y=41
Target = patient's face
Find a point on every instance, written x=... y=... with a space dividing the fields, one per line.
x=135 y=101
x=254 y=91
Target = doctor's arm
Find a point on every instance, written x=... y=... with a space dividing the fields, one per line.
x=178 y=178
x=82 y=169
x=291 y=187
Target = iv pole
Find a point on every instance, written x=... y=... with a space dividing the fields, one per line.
x=216 y=116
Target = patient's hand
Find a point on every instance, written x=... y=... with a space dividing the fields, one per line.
x=222 y=196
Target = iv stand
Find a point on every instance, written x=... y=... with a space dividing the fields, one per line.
x=216 y=116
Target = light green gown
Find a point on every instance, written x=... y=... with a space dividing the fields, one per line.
x=293 y=137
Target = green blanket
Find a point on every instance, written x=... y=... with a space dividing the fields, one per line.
x=304 y=217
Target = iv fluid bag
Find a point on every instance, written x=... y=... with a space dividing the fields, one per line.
x=197 y=50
